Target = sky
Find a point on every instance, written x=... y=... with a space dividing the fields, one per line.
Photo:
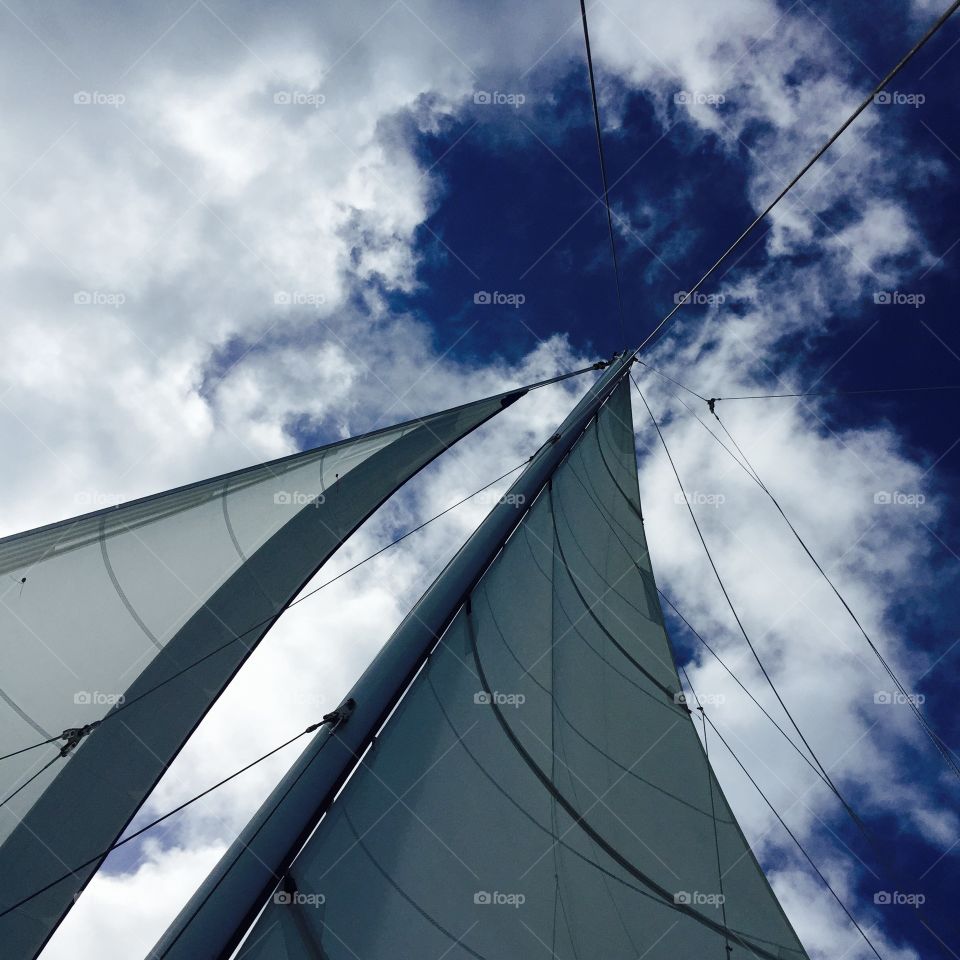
x=231 y=231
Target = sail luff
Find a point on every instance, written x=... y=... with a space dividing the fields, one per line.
x=216 y=917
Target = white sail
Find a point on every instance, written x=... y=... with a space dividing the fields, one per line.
x=126 y=624
x=541 y=786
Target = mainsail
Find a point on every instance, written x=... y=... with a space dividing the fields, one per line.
x=540 y=784
x=122 y=627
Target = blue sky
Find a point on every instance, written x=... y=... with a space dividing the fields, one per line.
x=297 y=272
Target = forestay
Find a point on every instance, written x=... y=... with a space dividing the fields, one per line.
x=138 y=616
x=541 y=787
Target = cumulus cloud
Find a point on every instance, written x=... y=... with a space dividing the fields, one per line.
x=205 y=268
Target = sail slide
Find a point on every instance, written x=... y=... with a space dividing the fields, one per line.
x=539 y=786
x=122 y=627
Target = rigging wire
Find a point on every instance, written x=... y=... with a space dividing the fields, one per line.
x=944 y=750
x=128 y=703
x=773 y=809
x=603 y=167
x=333 y=719
x=30 y=780
x=713 y=812
x=942 y=747
x=763 y=710
x=33 y=746
x=677 y=382
x=941 y=20
x=737 y=680
x=716 y=656
x=806 y=393
x=852 y=813
x=857 y=821
x=859 y=824
x=837 y=393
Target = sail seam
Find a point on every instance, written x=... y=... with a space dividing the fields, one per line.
x=583 y=736
x=574 y=628
x=636 y=663
x=580 y=821
x=458 y=941
x=119 y=590
x=26 y=717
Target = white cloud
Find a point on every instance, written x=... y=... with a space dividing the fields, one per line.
x=823 y=927
x=201 y=199
x=126 y=910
